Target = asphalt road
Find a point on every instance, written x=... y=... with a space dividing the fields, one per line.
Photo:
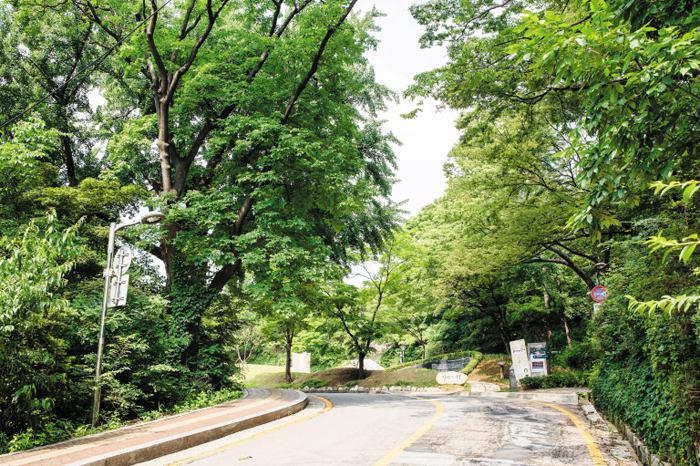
x=373 y=430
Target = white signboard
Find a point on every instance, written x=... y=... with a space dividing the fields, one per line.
x=301 y=362
x=120 y=281
x=521 y=364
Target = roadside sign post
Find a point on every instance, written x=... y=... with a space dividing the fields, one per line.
x=116 y=285
x=120 y=281
x=599 y=294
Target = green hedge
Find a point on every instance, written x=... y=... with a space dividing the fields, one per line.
x=649 y=379
x=475 y=355
x=561 y=379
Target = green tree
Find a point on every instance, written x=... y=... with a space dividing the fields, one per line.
x=634 y=70
x=257 y=144
x=44 y=48
x=33 y=357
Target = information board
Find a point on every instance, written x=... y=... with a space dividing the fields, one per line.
x=521 y=364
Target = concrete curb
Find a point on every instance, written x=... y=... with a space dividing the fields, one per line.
x=149 y=451
x=558 y=398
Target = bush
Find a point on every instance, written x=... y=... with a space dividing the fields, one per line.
x=286 y=386
x=315 y=383
x=60 y=429
x=581 y=356
x=561 y=379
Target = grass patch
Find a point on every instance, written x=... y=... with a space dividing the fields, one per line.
x=253 y=370
x=341 y=377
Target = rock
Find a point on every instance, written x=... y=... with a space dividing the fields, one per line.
x=451 y=378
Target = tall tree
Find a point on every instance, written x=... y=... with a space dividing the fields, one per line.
x=44 y=49
x=256 y=143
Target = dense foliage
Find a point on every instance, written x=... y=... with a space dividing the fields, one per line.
x=252 y=125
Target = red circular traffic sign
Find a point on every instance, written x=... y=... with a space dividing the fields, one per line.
x=599 y=294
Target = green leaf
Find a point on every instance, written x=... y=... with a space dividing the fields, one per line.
x=689 y=191
x=687 y=252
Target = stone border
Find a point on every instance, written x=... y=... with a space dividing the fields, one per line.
x=559 y=398
x=158 y=448
x=643 y=453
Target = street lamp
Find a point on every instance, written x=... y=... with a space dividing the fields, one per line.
x=149 y=218
x=403 y=348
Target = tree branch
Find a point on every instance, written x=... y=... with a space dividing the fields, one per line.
x=316 y=61
x=572 y=265
x=150 y=29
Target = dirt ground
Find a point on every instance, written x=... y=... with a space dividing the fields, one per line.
x=487 y=370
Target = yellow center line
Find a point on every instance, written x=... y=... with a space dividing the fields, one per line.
x=593 y=449
x=328 y=406
x=416 y=435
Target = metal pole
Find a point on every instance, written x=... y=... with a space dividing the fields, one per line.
x=100 y=345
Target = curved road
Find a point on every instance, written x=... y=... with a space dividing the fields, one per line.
x=374 y=430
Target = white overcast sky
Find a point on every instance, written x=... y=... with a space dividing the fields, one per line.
x=427 y=138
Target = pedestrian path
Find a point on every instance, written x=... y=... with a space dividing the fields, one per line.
x=484 y=387
x=150 y=440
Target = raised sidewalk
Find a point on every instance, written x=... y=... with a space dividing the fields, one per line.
x=143 y=442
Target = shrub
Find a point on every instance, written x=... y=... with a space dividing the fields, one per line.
x=286 y=386
x=400 y=383
x=581 y=356
x=561 y=379
x=315 y=383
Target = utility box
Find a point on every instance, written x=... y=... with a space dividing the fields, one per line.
x=539 y=359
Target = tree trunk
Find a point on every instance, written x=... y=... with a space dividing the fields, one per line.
x=566 y=328
x=70 y=163
x=548 y=308
x=288 y=364
x=361 y=366
x=289 y=336
x=504 y=339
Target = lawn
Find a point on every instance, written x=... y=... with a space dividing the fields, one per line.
x=251 y=371
x=345 y=377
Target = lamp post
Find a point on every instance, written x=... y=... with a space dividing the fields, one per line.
x=149 y=218
x=403 y=348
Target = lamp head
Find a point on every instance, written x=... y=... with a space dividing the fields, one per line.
x=403 y=347
x=152 y=218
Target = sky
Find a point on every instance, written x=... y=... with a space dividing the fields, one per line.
x=428 y=138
